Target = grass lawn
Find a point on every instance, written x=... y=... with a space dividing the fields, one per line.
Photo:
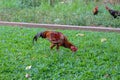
x=94 y=60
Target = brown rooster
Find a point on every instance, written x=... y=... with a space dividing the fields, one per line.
x=95 y=10
x=57 y=39
x=114 y=13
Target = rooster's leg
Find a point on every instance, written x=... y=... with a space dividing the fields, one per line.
x=52 y=45
x=57 y=47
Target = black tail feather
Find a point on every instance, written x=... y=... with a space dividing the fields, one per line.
x=34 y=39
x=37 y=36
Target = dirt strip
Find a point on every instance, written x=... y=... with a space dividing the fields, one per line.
x=56 y=26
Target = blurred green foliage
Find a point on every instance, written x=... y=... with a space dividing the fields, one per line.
x=68 y=12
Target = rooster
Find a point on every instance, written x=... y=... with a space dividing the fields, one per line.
x=57 y=39
x=95 y=10
x=114 y=13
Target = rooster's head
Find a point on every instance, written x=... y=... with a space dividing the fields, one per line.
x=96 y=7
x=73 y=48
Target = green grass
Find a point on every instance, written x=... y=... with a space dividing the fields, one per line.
x=75 y=13
x=94 y=60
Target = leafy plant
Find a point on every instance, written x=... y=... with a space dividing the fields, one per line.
x=30 y=3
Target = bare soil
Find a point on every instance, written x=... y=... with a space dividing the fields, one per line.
x=56 y=26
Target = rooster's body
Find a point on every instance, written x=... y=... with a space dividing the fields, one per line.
x=56 y=38
x=114 y=13
x=95 y=10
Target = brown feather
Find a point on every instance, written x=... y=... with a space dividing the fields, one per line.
x=95 y=10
